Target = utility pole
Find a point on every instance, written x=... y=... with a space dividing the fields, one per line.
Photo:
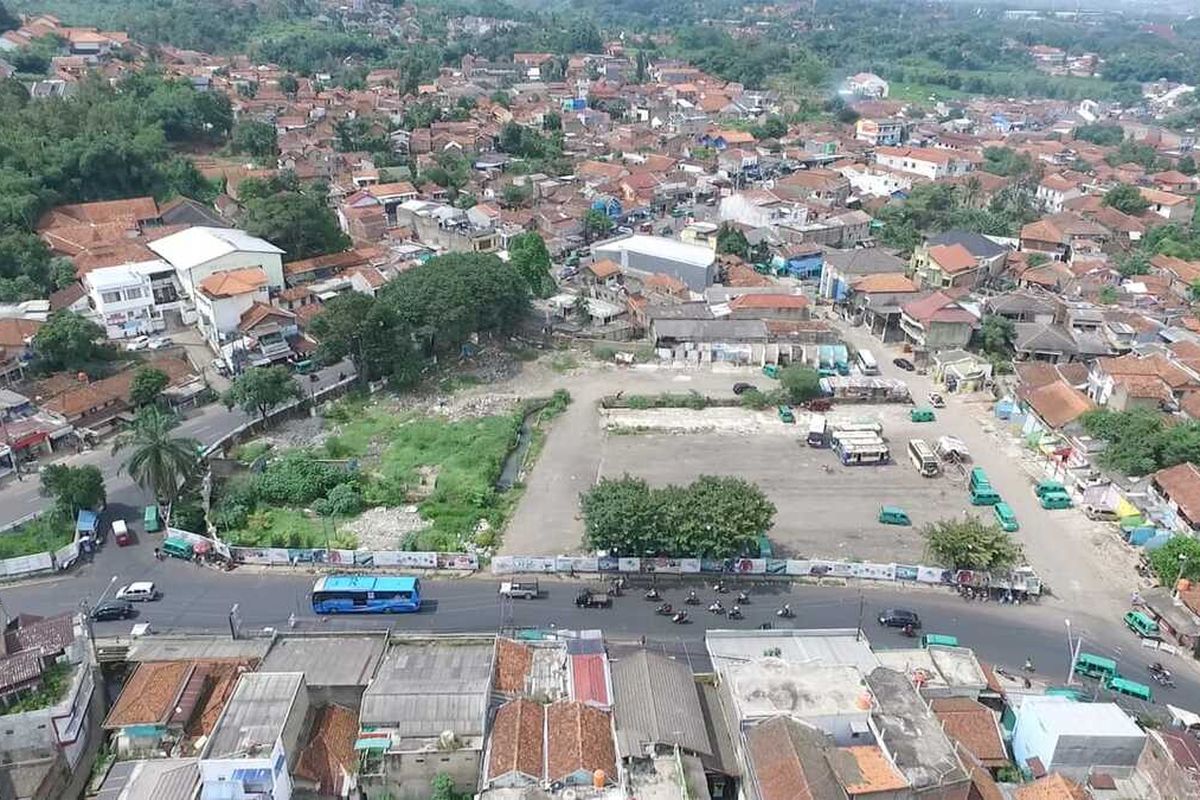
x=858 y=631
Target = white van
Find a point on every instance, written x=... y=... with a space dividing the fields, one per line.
x=142 y=591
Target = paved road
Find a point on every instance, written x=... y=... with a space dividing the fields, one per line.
x=199 y=599
x=20 y=498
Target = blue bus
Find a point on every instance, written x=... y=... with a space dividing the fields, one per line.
x=365 y=594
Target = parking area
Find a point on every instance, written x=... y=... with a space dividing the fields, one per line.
x=824 y=509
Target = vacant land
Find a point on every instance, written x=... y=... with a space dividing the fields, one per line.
x=824 y=509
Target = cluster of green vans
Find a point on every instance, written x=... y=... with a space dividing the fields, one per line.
x=1142 y=625
x=1052 y=495
x=982 y=493
x=1105 y=670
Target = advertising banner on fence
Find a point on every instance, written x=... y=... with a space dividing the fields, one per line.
x=689 y=566
x=401 y=558
x=629 y=564
x=933 y=575
x=905 y=572
x=466 y=561
x=608 y=564
x=507 y=565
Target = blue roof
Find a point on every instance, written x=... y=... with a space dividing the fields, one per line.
x=382 y=583
x=87 y=521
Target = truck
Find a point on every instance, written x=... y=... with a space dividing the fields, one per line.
x=590 y=599
x=525 y=590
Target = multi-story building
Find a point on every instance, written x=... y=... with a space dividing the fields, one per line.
x=123 y=299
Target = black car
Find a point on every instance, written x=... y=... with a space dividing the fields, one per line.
x=112 y=609
x=904 y=364
x=899 y=618
x=740 y=387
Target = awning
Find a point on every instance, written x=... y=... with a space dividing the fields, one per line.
x=373 y=743
x=87 y=521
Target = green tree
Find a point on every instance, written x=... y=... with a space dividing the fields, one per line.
x=261 y=389
x=8 y=20
x=1187 y=165
x=1126 y=198
x=970 y=544
x=299 y=223
x=1194 y=290
x=528 y=255
x=288 y=84
x=1133 y=439
x=371 y=334
x=1108 y=296
x=147 y=385
x=158 y=462
x=596 y=225
x=62 y=272
x=717 y=517
x=621 y=515
x=514 y=196
x=800 y=382
x=1100 y=134
x=255 y=138
x=639 y=74
x=68 y=342
x=996 y=335
x=443 y=788
x=1134 y=263
x=1178 y=558
x=73 y=488
x=731 y=241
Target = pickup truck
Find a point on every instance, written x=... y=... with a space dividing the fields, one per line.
x=586 y=599
x=526 y=590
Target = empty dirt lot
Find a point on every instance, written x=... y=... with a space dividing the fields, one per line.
x=824 y=509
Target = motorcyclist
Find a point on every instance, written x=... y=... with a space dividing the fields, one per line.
x=786 y=611
x=909 y=630
x=743 y=597
x=735 y=613
x=1029 y=665
x=692 y=599
x=680 y=616
x=716 y=607
x=652 y=593
x=665 y=608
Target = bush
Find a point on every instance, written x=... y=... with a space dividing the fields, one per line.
x=343 y=500
x=298 y=479
x=252 y=451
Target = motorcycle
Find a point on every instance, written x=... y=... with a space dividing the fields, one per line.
x=743 y=598
x=680 y=617
x=665 y=609
x=785 y=612
x=719 y=587
x=652 y=594
x=909 y=631
x=692 y=599
x=716 y=608
x=1161 y=675
x=735 y=613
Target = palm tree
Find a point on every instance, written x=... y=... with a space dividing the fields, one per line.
x=157 y=462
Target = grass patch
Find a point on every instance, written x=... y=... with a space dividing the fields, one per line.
x=693 y=400
x=55 y=682
x=289 y=527
x=564 y=362
x=453 y=383
x=252 y=451
x=42 y=535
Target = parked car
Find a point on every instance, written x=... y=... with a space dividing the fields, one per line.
x=121 y=533
x=219 y=366
x=142 y=591
x=904 y=364
x=899 y=618
x=112 y=609
x=137 y=343
x=936 y=400
x=159 y=342
x=741 y=387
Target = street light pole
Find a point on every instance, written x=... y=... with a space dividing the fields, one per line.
x=1182 y=563
x=1070 y=653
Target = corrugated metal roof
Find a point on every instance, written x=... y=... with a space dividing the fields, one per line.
x=199 y=245
x=656 y=701
x=424 y=689
x=255 y=715
x=589 y=680
x=327 y=660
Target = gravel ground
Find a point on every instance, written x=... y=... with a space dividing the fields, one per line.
x=383 y=528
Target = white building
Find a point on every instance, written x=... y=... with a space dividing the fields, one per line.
x=928 y=162
x=223 y=297
x=255 y=744
x=123 y=300
x=198 y=252
x=867 y=84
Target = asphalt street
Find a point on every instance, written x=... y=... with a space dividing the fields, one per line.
x=20 y=498
x=199 y=599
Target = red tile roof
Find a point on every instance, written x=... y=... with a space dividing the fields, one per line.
x=513 y=661
x=769 y=301
x=777 y=766
x=149 y=695
x=952 y=258
x=232 y=283
x=518 y=736
x=1057 y=403
x=580 y=741
x=973 y=725
x=589 y=679
x=938 y=307
x=604 y=268
x=1181 y=483
x=330 y=756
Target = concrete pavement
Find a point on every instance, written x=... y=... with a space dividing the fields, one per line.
x=199 y=599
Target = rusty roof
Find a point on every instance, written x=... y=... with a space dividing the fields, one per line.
x=580 y=740
x=973 y=725
x=230 y=283
x=329 y=754
x=518 y=736
x=769 y=301
x=1051 y=787
x=513 y=661
x=19 y=669
x=589 y=679
x=1057 y=403
x=604 y=268
x=77 y=399
x=1181 y=483
x=149 y=695
x=952 y=258
x=14 y=332
x=46 y=636
x=873 y=773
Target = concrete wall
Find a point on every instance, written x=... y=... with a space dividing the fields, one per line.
x=297 y=723
x=407 y=775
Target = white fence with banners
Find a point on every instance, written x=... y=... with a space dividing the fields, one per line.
x=362 y=559
x=25 y=565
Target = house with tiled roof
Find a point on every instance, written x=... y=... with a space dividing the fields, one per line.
x=328 y=764
x=96 y=404
x=878 y=298
x=1179 y=488
x=1181 y=274
x=580 y=747
x=1131 y=380
x=944 y=266
x=928 y=162
x=223 y=297
x=516 y=750
x=1062 y=236
x=1056 y=189
x=1171 y=207
x=937 y=322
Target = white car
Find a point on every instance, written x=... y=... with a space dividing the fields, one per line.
x=142 y=591
x=137 y=343
x=159 y=342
